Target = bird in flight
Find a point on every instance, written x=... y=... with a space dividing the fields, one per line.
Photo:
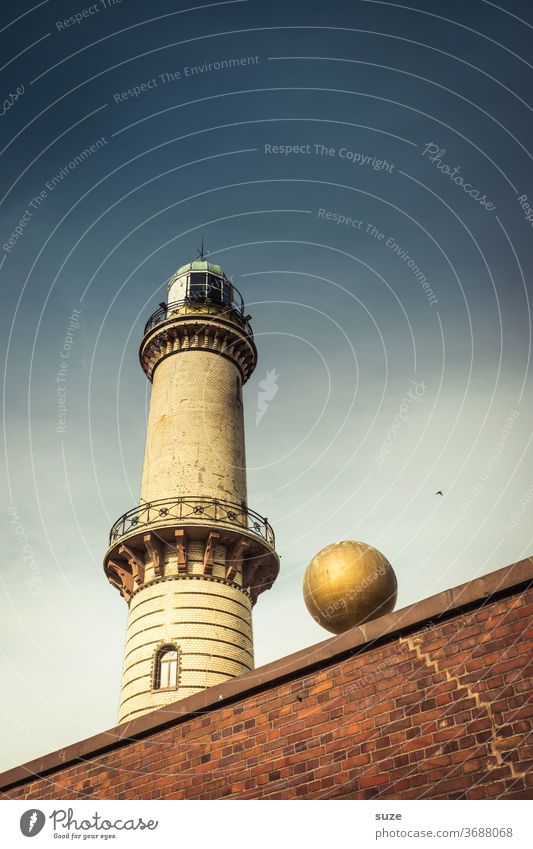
x=440 y=492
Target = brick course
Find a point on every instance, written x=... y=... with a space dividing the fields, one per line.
x=430 y=702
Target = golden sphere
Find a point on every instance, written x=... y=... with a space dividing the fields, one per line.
x=349 y=583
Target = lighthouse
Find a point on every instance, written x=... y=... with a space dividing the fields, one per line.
x=192 y=558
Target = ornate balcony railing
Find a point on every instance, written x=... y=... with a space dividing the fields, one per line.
x=191 y=509
x=232 y=311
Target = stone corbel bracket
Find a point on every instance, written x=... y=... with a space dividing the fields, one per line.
x=155 y=547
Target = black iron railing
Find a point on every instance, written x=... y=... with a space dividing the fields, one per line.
x=205 y=306
x=191 y=509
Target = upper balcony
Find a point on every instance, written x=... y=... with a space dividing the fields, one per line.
x=201 y=288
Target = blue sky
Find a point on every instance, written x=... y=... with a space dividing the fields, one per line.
x=326 y=112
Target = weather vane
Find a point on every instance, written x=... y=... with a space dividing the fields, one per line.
x=202 y=253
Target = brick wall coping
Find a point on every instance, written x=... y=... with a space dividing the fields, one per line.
x=445 y=604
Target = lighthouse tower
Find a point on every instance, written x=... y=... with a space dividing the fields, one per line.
x=192 y=558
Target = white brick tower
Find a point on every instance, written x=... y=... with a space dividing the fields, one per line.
x=191 y=559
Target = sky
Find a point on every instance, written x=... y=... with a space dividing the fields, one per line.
x=363 y=172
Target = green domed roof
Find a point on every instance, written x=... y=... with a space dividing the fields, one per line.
x=199 y=265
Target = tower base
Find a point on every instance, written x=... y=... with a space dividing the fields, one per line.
x=206 y=620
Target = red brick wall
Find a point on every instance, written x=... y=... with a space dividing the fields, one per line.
x=441 y=712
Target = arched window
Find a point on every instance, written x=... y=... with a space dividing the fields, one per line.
x=166 y=669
